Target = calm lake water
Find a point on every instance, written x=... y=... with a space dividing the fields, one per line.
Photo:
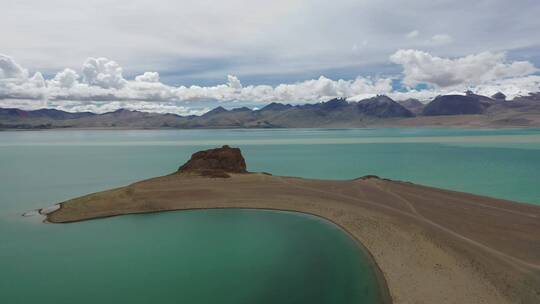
x=223 y=256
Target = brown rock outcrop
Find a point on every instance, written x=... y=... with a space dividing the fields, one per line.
x=215 y=162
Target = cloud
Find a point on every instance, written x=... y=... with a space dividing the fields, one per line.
x=181 y=37
x=37 y=80
x=16 y=83
x=102 y=80
x=234 y=82
x=412 y=34
x=10 y=69
x=103 y=72
x=441 y=39
x=100 y=85
x=512 y=87
x=148 y=77
x=65 y=79
x=324 y=88
x=423 y=68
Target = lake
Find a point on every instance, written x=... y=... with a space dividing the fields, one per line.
x=225 y=256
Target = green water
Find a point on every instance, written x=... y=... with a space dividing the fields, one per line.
x=212 y=256
x=223 y=256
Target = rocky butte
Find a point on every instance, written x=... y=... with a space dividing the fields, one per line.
x=430 y=245
x=215 y=162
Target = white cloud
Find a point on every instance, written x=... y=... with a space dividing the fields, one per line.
x=15 y=82
x=421 y=67
x=512 y=87
x=37 y=80
x=324 y=88
x=234 y=82
x=148 y=77
x=102 y=81
x=103 y=72
x=441 y=39
x=412 y=34
x=101 y=87
x=10 y=69
x=65 y=79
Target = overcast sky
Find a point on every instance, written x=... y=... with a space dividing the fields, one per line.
x=86 y=55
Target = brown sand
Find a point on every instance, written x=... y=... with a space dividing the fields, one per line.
x=432 y=245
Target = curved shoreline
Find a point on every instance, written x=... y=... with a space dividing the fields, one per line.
x=422 y=256
x=384 y=292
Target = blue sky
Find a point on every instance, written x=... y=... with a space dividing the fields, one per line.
x=261 y=43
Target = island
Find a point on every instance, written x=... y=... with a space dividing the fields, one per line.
x=430 y=245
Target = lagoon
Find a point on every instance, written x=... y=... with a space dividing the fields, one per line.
x=210 y=256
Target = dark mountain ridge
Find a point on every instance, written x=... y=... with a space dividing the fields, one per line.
x=338 y=112
x=454 y=105
x=383 y=107
x=413 y=105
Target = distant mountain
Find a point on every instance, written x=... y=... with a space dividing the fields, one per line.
x=274 y=106
x=333 y=105
x=413 y=105
x=383 y=107
x=215 y=111
x=336 y=113
x=41 y=113
x=481 y=98
x=455 y=105
x=532 y=97
x=499 y=96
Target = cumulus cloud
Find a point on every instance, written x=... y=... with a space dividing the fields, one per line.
x=65 y=79
x=234 y=82
x=37 y=80
x=148 y=77
x=100 y=85
x=16 y=83
x=103 y=72
x=423 y=68
x=325 y=88
x=10 y=69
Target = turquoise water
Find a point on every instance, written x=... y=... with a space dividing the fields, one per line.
x=223 y=256
x=213 y=256
x=56 y=165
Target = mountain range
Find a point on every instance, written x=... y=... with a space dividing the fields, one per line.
x=469 y=110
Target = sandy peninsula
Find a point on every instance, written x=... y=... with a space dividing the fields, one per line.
x=431 y=245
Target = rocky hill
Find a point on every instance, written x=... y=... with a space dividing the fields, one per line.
x=215 y=162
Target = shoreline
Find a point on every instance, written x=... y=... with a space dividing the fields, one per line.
x=420 y=256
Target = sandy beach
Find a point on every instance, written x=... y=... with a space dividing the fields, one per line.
x=432 y=245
